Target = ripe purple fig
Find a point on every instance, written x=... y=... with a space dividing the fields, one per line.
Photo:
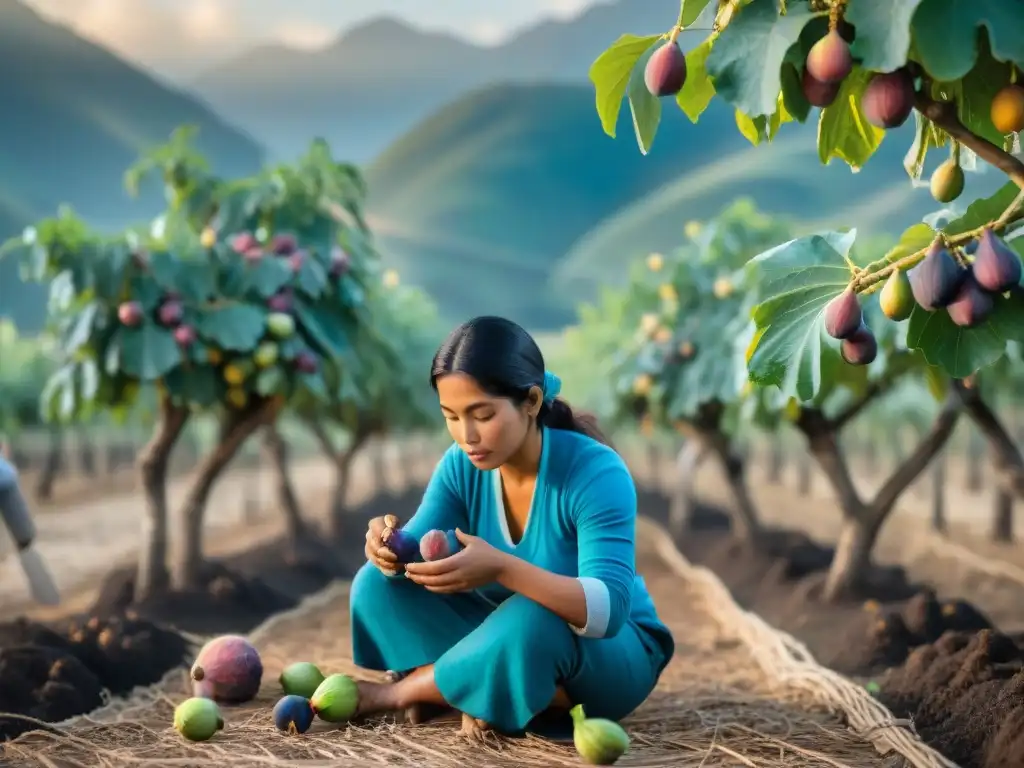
x=254 y=254
x=284 y=244
x=130 y=313
x=888 y=99
x=170 y=312
x=244 y=241
x=184 y=335
x=972 y=305
x=997 y=267
x=402 y=543
x=306 y=362
x=819 y=94
x=280 y=302
x=296 y=260
x=341 y=262
x=665 y=73
x=829 y=60
x=842 y=315
x=936 y=280
x=860 y=348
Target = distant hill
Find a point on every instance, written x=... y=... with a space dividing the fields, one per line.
x=512 y=200
x=378 y=79
x=75 y=116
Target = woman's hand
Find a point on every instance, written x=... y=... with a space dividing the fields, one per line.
x=383 y=558
x=477 y=564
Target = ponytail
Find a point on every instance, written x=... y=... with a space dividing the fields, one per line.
x=558 y=414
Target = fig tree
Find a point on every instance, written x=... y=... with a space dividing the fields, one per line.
x=1007 y=110
x=947 y=182
x=829 y=60
x=843 y=315
x=665 y=72
x=170 y=312
x=817 y=93
x=888 y=99
x=860 y=348
x=972 y=305
x=936 y=280
x=997 y=267
x=130 y=313
x=896 y=297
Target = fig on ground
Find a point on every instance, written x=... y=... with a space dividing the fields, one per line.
x=197 y=719
x=228 y=669
x=861 y=348
x=301 y=679
x=341 y=262
x=936 y=280
x=130 y=313
x=829 y=60
x=997 y=267
x=896 y=298
x=817 y=93
x=888 y=99
x=293 y=715
x=843 y=315
x=1007 y=110
x=184 y=335
x=244 y=241
x=972 y=305
x=336 y=699
x=283 y=244
x=438 y=544
x=598 y=741
x=280 y=325
x=665 y=73
x=170 y=312
x=402 y=543
x=947 y=182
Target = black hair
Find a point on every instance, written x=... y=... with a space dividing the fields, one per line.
x=506 y=362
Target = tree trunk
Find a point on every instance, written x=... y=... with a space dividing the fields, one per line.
x=1002 y=516
x=338 y=512
x=1007 y=463
x=973 y=463
x=378 y=466
x=276 y=450
x=746 y=523
x=682 y=501
x=938 y=494
x=52 y=464
x=86 y=454
x=776 y=460
x=153 y=575
x=236 y=428
x=869 y=447
x=804 y=475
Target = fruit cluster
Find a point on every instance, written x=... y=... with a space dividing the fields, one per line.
x=169 y=313
x=964 y=284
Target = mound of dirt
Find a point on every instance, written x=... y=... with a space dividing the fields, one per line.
x=965 y=694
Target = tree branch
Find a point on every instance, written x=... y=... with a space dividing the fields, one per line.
x=1009 y=463
x=874 y=390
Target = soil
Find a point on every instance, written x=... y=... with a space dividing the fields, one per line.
x=937 y=661
x=53 y=672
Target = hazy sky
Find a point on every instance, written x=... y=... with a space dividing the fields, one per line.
x=179 y=37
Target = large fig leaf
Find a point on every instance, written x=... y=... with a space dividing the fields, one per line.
x=611 y=72
x=946 y=34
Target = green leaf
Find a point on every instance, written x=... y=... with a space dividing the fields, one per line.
x=843 y=131
x=268 y=276
x=643 y=105
x=610 y=73
x=235 y=328
x=311 y=278
x=912 y=240
x=325 y=330
x=148 y=352
x=146 y=291
x=198 y=385
x=746 y=60
x=271 y=381
x=314 y=384
x=937 y=381
x=926 y=136
x=976 y=92
x=793 y=99
x=982 y=211
x=883 y=32
x=795 y=282
x=698 y=90
x=690 y=11
x=946 y=34
x=963 y=351
x=754 y=129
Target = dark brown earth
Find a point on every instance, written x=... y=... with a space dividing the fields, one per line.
x=51 y=673
x=938 y=662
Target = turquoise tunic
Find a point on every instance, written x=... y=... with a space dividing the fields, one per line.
x=499 y=656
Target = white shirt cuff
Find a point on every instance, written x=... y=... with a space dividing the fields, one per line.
x=599 y=608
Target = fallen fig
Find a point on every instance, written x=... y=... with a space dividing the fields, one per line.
x=972 y=305
x=843 y=315
x=130 y=313
x=829 y=60
x=598 y=741
x=896 y=298
x=665 y=73
x=402 y=543
x=936 y=280
x=197 y=719
x=888 y=99
x=947 y=182
x=861 y=348
x=293 y=715
x=817 y=93
x=301 y=679
x=997 y=268
x=228 y=669
x=1007 y=111
x=170 y=312
x=438 y=544
x=336 y=699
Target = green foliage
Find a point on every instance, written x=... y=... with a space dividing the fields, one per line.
x=27 y=364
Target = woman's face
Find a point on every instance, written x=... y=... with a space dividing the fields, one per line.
x=489 y=429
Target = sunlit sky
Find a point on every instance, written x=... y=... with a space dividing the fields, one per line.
x=179 y=37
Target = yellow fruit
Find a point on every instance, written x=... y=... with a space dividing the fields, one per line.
x=237 y=398
x=649 y=323
x=233 y=375
x=686 y=350
x=642 y=384
x=208 y=238
x=896 y=297
x=722 y=288
x=655 y=262
x=390 y=278
x=213 y=356
x=667 y=292
x=947 y=182
x=693 y=229
x=663 y=335
x=1008 y=109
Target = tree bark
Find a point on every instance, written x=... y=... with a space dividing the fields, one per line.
x=337 y=522
x=276 y=450
x=776 y=460
x=974 y=480
x=153 y=575
x=236 y=428
x=938 y=494
x=52 y=464
x=1002 y=516
x=86 y=454
x=804 y=475
x=870 y=450
x=1007 y=461
x=682 y=501
x=378 y=465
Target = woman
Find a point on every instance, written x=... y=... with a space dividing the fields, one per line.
x=541 y=608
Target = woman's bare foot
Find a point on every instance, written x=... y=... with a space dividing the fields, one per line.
x=472 y=728
x=375 y=698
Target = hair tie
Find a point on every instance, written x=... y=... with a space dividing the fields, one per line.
x=551 y=387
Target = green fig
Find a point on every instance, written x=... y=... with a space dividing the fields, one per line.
x=280 y=325
x=897 y=298
x=947 y=182
x=301 y=679
x=598 y=741
x=198 y=719
x=336 y=699
x=266 y=354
